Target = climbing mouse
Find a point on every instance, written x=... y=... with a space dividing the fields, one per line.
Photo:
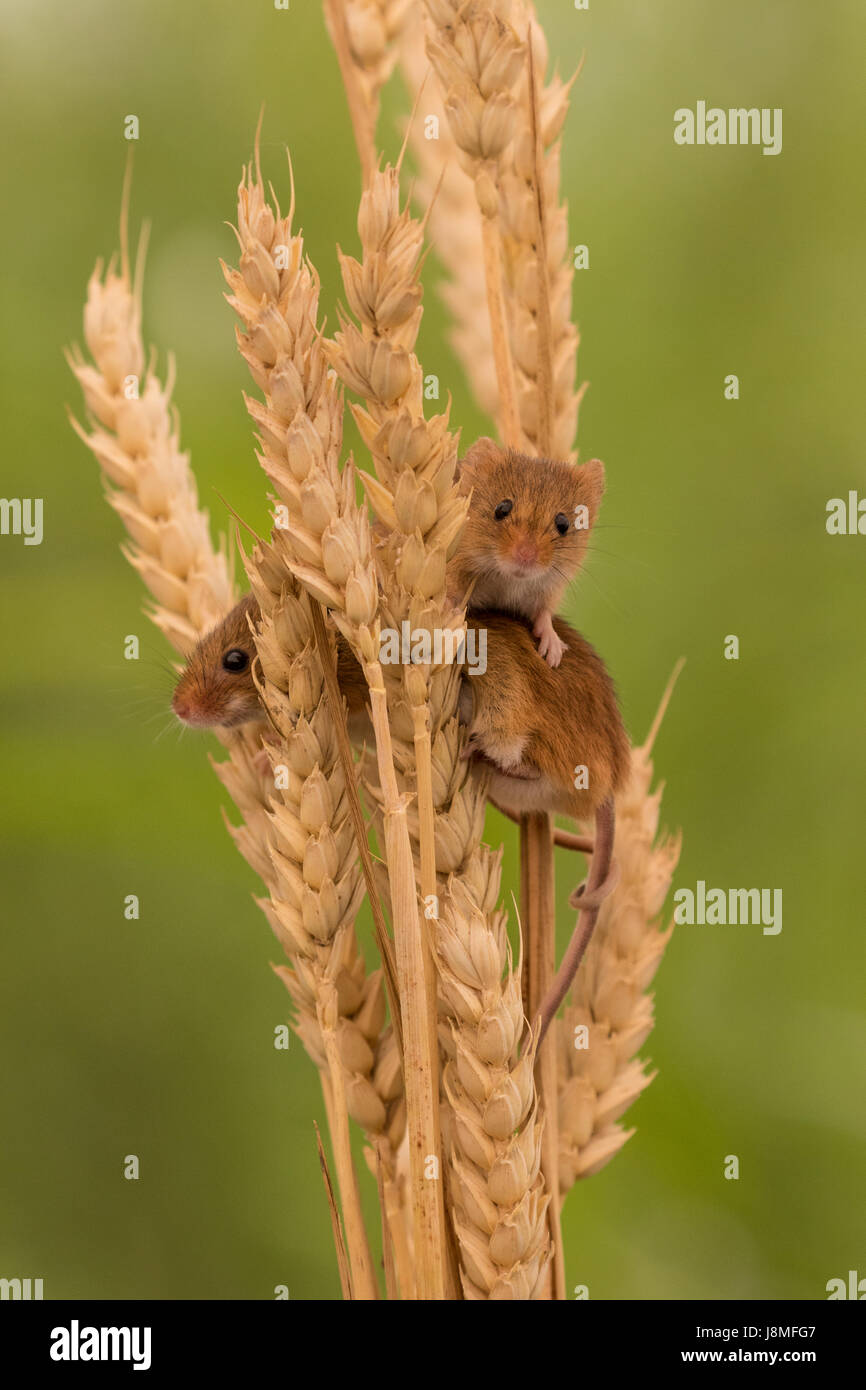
x=553 y=740
x=538 y=727
x=216 y=687
x=525 y=535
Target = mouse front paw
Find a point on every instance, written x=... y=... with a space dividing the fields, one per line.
x=550 y=644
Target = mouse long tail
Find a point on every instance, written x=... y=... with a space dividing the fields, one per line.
x=600 y=881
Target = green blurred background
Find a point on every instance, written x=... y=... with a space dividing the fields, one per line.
x=156 y=1037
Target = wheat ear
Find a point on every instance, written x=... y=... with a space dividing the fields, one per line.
x=134 y=436
x=534 y=220
x=478 y=58
x=447 y=198
x=149 y=482
x=610 y=1013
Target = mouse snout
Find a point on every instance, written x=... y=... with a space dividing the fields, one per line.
x=192 y=710
x=524 y=551
x=184 y=707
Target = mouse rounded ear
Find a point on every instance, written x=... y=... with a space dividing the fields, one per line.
x=484 y=450
x=591 y=479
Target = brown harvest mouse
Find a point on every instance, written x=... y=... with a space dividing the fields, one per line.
x=554 y=737
x=554 y=741
x=216 y=687
x=525 y=535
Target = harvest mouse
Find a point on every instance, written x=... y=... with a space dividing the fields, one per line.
x=554 y=741
x=525 y=535
x=554 y=737
x=216 y=687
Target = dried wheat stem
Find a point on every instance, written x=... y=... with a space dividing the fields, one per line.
x=336 y=706
x=328 y=1015
x=538 y=914
x=427 y=881
x=423 y=520
x=395 y=1219
x=336 y=1229
x=509 y=415
x=419 y=1042
x=545 y=380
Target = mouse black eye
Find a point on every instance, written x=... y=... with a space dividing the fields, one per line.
x=503 y=509
x=561 y=523
x=235 y=660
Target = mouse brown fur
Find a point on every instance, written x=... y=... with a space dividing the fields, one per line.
x=537 y=725
x=525 y=535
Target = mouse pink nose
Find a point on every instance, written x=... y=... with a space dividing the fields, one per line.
x=182 y=707
x=525 y=552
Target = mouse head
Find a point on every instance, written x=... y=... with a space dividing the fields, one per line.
x=528 y=517
x=216 y=685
